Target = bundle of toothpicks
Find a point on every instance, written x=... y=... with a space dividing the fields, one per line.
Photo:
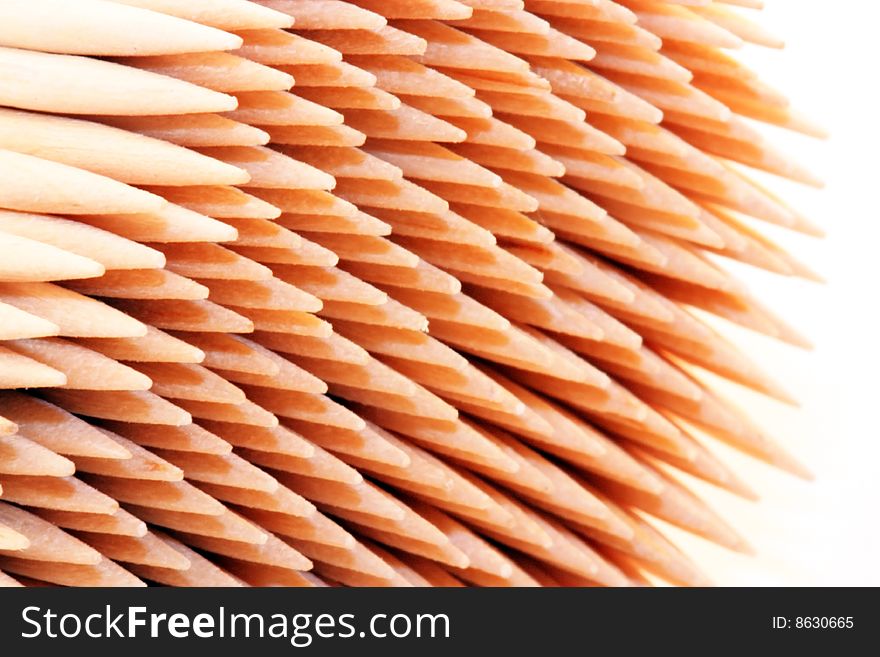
x=379 y=292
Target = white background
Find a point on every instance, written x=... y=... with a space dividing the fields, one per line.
x=825 y=532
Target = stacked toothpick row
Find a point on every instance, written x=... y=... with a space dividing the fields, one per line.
x=382 y=292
